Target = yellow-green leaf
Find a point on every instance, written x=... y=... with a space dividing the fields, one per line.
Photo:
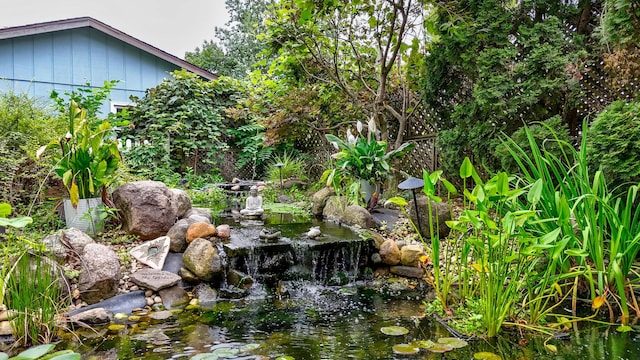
x=551 y=347
x=598 y=301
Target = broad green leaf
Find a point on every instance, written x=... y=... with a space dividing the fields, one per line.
x=453 y=342
x=551 y=347
x=466 y=169
x=18 y=222
x=35 y=352
x=449 y=186
x=624 y=328
x=485 y=355
x=62 y=355
x=5 y=210
x=405 y=349
x=397 y=200
x=394 y=330
x=535 y=192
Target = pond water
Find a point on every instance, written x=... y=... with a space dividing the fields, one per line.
x=318 y=322
x=308 y=319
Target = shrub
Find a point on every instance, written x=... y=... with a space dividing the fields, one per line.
x=613 y=144
x=546 y=134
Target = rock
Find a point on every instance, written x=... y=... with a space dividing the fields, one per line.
x=320 y=200
x=146 y=207
x=223 y=231
x=67 y=243
x=96 y=316
x=180 y=201
x=239 y=279
x=377 y=238
x=389 y=252
x=173 y=297
x=100 y=273
x=155 y=279
x=283 y=199
x=407 y=271
x=200 y=212
x=354 y=215
x=235 y=188
x=161 y=315
x=200 y=230
x=358 y=216
x=152 y=253
x=188 y=276
x=232 y=292
x=442 y=210
x=5 y=328
x=276 y=263
x=178 y=235
x=410 y=255
x=192 y=219
x=203 y=260
x=376 y=258
x=206 y=296
x=314 y=232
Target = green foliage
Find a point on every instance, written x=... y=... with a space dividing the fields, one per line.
x=24 y=126
x=17 y=222
x=89 y=158
x=179 y=124
x=87 y=97
x=42 y=352
x=240 y=47
x=291 y=168
x=545 y=136
x=613 y=144
x=598 y=230
x=621 y=23
x=493 y=66
x=249 y=139
x=34 y=295
x=364 y=157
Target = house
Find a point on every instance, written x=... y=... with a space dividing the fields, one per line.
x=66 y=54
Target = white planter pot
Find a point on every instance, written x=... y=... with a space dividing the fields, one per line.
x=86 y=216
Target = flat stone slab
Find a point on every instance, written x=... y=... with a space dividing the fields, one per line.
x=155 y=279
x=408 y=271
x=152 y=253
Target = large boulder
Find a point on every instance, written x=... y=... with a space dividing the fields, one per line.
x=203 y=260
x=320 y=200
x=100 y=273
x=148 y=208
x=67 y=244
x=336 y=210
x=441 y=213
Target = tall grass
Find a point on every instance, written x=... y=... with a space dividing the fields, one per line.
x=34 y=297
x=599 y=229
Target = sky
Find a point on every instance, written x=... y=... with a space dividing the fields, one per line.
x=173 y=26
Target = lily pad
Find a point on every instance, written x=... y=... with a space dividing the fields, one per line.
x=249 y=347
x=453 y=342
x=440 y=348
x=485 y=355
x=394 y=330
x=226 y=352
x=423 y=344
x=405 y=349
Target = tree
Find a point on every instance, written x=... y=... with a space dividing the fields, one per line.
x=239 y=47
x=494 y=65
x=180 y=123
x=351 y=48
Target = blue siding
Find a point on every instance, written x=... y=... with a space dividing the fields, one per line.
x=65 y=60
x=81 y=56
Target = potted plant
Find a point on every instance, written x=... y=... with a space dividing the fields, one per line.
x=87 y=164
x=365 y=159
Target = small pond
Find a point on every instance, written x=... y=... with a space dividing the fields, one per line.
x=303 y=317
